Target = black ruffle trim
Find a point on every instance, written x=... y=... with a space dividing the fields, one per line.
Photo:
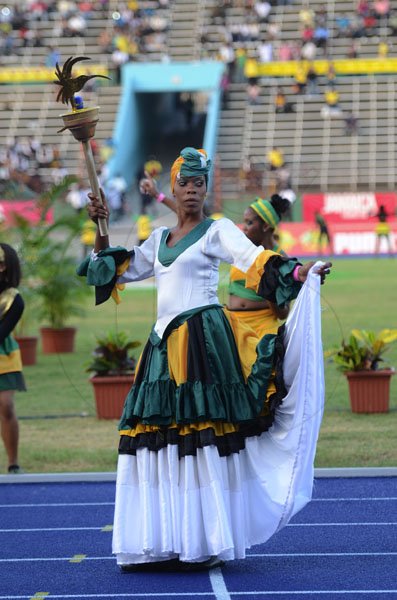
x=188 y=444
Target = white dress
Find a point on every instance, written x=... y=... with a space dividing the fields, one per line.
x=202 y=505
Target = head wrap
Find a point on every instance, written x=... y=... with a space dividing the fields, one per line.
x=265 y=211
x=190 y=163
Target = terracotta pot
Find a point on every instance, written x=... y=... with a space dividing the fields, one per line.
x=57 y=341
x=369 y=390
x=110 y=393
x=28 y=348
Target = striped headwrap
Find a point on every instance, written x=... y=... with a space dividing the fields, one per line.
x=266 y=212
x=190 y=163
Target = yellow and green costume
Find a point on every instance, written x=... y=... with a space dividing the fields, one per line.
x=261 y=320
x=11 y=308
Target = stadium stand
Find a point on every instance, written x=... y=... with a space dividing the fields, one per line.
x=316 y=147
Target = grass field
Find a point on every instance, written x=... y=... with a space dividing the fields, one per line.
x=59 y=429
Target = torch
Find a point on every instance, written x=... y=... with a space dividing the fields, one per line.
x=82 y=121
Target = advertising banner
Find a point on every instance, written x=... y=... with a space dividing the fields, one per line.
x=346 y=206
x=25 y=208
x=302 y=239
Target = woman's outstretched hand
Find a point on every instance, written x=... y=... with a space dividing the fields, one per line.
x=323 y=271
x=97 y=209
x=147 y=185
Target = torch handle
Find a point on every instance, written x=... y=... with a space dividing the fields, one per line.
x=89 y=159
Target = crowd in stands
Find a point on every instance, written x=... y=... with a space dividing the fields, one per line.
x=21 y=163
x=139 y=28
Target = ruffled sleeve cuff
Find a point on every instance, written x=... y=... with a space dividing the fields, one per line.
x=102 y=271
x=271 y=277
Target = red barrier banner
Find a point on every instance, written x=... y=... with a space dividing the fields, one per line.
x=302 y=239
x=346 y=206
x=27 y=209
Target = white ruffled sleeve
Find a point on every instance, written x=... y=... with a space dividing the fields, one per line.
x=224 y=240
x=142 y=261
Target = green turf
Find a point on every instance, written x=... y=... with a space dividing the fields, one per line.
x=358 y=294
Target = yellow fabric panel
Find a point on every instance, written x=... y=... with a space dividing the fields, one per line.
x=10 y=363
x=246 y=341
x=262 y=321
x=177 y=353
x=255 y=272
x=119 y=287
x=219 y=428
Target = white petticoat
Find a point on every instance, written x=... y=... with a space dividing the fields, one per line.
x=206 y=505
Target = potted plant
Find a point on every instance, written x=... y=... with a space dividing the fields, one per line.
x=61 y=295
x=52 y=291
x=113 y=368
x=359 y=359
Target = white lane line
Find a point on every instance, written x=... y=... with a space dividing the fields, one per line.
x=118 y=595
x=314 y=554
x=360 y=524
x=248 y=556
x=207 y=594
x=40 y=529
x=218 y=585
x=46 y=504
x=71 y=504
x=390 y=498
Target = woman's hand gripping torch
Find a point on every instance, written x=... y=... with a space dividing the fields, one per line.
x=81 y=121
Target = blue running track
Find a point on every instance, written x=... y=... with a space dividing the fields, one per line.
x=55 y=542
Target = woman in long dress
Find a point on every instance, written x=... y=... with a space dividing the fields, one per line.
x=218 y=432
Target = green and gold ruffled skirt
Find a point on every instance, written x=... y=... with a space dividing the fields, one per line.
x=209 y=381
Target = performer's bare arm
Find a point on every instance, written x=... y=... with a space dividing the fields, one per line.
x=147 y=185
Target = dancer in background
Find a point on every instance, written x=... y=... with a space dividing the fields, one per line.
x=11 y=377
x=260 y=221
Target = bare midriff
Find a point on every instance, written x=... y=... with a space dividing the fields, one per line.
x=237 y=303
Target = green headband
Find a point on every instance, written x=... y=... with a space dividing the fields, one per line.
x=265 y=211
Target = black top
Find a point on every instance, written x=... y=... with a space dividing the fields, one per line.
x=8 y=323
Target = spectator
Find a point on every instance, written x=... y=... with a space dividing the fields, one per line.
x=312 y=79
x=331 y=108
x=115 y=189
x=343 y=26
x=265 y=51
x=262 y=10
x=306 y=16
x=280 y=102
x=225 y=88
x=275 y=158
x=383 y=49
x=300 y=78
x=285 y=51
x=308 y=51
x=330 y=75
x=352 y=51
x=253 y=91
x=381 y=9
x=53 y=57
x=351 y=124
x=321 y=37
